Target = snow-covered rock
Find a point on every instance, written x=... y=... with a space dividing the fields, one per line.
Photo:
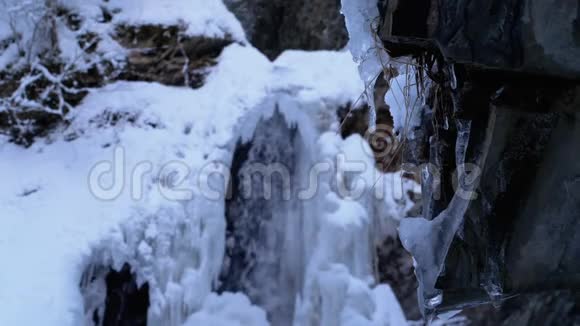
x=134 y=180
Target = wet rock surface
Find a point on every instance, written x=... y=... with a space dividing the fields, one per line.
x=126 y=303
x=113 y=297
x=515 y=35
x=549 y=309
x=273 y=26
x=492 y=60
x=395 y=267
x=164 y=54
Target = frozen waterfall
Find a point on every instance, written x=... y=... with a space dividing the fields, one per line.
x=300 y=245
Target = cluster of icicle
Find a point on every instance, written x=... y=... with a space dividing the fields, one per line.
x=321 y=268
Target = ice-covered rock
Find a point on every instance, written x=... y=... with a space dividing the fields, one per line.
x=405 y=104
x=362 y=22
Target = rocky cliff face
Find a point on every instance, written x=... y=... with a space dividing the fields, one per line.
x=277 y=25
x=37 y=91
x=503 y=97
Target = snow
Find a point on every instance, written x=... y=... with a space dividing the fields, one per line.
x=62 y=219
x=203 y=18
x=305 y=70
x=228 y=310
x=38 y=235
x=200 y=17
x=393 y=315
x=121 y=184
x=8 y=55
x=21 y=17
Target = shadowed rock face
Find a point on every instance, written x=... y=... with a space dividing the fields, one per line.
x=518 y=62
x=277 y=25
x=163 y=54
x=126 y=303
x=541 y=37
x=395 y=267
x=546 y=309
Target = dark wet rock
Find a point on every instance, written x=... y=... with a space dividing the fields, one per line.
x=165 y=55
x=540 y=37
x=395 y=267
x=546 y=309
x=517 y=233
x=113 y=297
x=273 y=26
x=126 y=303
x=494 y=59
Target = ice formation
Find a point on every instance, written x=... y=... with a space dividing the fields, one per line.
x=429 y=240
x=362 y=21
x=228 y=310
x=174 y=246
x=338 y=287
x=134 y=180
x=405 y=103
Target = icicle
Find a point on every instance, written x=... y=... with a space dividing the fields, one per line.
x=429 y=241
x=453 y=76
x=372 y=119
x=362 y=19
